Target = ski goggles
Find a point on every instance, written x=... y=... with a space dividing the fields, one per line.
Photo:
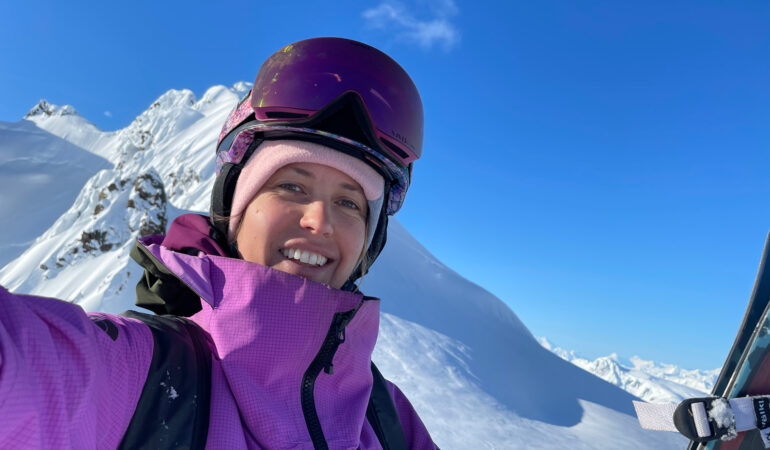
x=236 y=146
x=303 y=78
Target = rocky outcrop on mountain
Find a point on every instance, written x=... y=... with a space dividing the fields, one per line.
x=181 y=180
x=43 y=108
x=122 y=207
x=146 y=205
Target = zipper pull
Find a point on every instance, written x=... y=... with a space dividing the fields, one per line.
x=341 y=336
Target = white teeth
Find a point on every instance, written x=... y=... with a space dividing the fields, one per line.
x=305 y=256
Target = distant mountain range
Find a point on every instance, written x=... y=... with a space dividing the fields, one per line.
x=648 y=380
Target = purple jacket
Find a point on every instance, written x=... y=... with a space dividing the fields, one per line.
x=65 y=383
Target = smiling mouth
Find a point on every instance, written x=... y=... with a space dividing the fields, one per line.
x=304 y=256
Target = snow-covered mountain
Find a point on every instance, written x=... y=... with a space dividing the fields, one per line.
x=472 y=369
x=651 y=381
x=50 y=170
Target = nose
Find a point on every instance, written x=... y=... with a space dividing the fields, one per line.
x=316 y=218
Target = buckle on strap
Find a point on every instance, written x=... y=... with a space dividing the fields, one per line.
x=709 y=418
x=706 y=419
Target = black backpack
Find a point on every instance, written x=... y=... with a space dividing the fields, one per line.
x=173 y=409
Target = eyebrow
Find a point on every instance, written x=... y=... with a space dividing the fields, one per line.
x=303 y=172
x=348 y=186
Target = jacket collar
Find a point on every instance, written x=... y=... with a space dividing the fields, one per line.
x=267 y=326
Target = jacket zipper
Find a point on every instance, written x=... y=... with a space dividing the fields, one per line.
x=323 y=360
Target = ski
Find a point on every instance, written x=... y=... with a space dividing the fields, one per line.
x=746 y=371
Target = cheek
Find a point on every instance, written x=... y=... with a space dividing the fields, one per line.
x=355 y=240
x=252 y=237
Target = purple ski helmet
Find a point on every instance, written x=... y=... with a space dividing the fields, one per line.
x=337 y=92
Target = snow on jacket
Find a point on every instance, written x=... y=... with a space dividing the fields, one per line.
x=66 y=383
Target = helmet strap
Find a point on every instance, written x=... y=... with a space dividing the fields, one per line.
x=375 y=248
x=221 y=200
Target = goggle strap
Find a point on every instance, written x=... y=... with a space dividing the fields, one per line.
x=224 y=190
x=227 y=141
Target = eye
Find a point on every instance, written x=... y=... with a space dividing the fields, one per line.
x=349 y=204
x=290 y=187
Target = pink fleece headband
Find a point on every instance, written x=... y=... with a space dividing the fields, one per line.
x=272 y=155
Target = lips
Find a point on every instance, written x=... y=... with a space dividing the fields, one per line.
x=304 y=256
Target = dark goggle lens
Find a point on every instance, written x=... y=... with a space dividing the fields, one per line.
x=304 y=77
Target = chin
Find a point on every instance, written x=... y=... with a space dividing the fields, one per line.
x=319 y=275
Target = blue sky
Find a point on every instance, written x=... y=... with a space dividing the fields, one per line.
x=600 y=166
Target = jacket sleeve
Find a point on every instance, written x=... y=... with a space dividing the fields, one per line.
x=417 y=436
x=67 y=380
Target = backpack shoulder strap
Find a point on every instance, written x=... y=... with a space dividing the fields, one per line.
x=382 y=416
x=173 y=409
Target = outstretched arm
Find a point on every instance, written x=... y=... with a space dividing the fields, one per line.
x=67 y=380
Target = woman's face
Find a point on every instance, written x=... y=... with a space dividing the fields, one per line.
x=308 y=220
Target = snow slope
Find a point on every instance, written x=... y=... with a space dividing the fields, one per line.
x=474 y=372
x=40 y=176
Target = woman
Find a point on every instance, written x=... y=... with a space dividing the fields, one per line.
x=276 y=352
